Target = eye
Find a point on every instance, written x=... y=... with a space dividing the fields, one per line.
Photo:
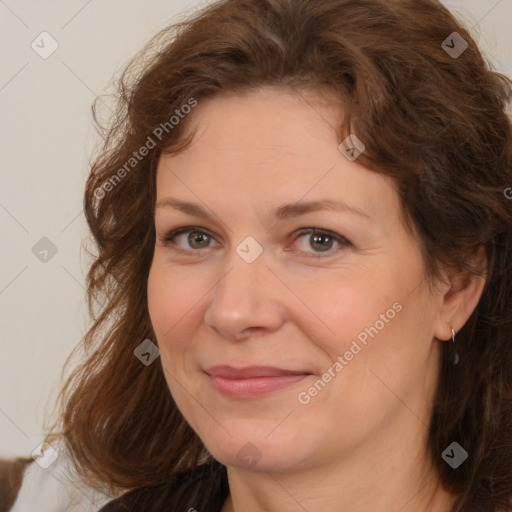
x=321 y=241
x=196 y=239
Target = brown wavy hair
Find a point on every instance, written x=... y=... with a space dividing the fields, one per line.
x=434 y=122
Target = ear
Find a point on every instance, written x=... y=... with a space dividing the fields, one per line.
x=460 y=298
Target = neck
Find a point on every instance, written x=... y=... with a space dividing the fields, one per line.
x=277 y=493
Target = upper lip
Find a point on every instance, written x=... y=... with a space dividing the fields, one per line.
x=247 y=372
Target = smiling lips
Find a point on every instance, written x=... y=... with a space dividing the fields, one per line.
x=252 y=381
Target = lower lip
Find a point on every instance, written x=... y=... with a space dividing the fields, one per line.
x=255 y=386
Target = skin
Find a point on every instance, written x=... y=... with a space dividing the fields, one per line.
x=359 y=444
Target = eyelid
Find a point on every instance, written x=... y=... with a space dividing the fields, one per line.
x=341 y=240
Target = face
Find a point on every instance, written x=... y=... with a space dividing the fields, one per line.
x=291 y=310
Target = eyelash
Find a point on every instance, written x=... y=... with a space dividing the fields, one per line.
x=342 y=241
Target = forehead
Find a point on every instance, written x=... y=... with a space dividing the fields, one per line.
x=268 y=147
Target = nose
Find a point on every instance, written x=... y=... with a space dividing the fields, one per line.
x=246 y=300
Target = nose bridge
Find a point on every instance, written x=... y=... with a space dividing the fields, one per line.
x=245 y=297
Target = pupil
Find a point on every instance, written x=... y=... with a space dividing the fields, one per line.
x=195 y=237
x=323 y=247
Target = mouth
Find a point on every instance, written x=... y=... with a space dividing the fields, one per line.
x=252 y=381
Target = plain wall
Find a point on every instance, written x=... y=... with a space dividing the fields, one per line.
x=46 y=138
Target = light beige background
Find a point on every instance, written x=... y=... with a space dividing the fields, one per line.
x=46 y=137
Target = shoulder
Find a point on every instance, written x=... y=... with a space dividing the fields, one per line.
x=28 y=485
x=203 y=488
x=11 y=476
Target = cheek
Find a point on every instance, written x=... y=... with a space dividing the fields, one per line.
x=384 y=342
x=172 y=303
x=378 y=321
x=342 y=307
x=171 y=296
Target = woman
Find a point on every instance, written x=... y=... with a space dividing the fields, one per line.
x=302 y=291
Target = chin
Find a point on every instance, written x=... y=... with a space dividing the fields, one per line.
x=251 y=447
x=252 y=456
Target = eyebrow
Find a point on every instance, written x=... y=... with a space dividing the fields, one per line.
x=281 y=213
